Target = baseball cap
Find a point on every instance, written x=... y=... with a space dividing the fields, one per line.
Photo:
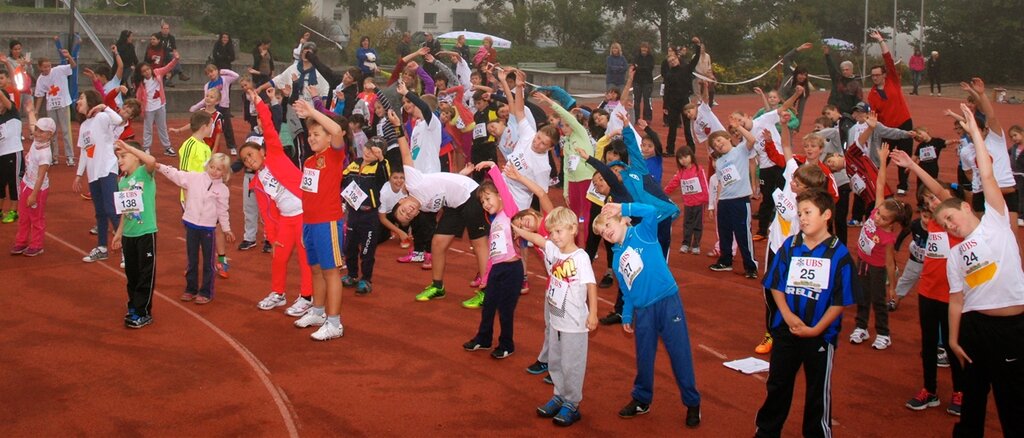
x=862 y=107
x=46 y=124
x=377 y=141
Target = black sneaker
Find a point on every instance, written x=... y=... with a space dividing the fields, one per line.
x=547 y=379
x=246 y=245
x=750 y=274
x=610 y=319
x=606 y=281
x=474 y=346
x=501 y=353
x=634 y=408
x=538 y=367
x=718 y=267
x=692 y=416
x=267 y=247
x=137 y=322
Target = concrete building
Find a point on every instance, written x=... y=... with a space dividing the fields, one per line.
x=436 y=16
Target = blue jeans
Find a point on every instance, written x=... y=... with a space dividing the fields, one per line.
x=666 y=320
x=102 y=192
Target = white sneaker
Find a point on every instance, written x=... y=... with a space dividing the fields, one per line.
x=327 y=332
x=98 y=253
x=1020 y=222
x=859 y=335
x=901 y=192
x=684 y=249
x=311 y=320
x=271 y=301
x=881 y=342
x=122 y=260
x=695 y=250
x=299 y=307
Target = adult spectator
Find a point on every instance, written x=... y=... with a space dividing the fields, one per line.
x=223 y=52
x=366 y=57
x=170 y=46
x=461 y=48
x=404 y=45
x=615 y=66
x=261 y=71
x=917 y=67
x=486 y=54
x=643 y=82
x=797 y=77
x=934 y=73
x=846 y=92
x=887 y=100
x=126 y=48
x=433 y=46
x=677 y=77
x=20 y=70
x=704 y=68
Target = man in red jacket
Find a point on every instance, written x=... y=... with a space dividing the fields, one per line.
x=887 y=99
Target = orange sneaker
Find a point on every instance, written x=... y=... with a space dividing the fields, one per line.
x=765 y=346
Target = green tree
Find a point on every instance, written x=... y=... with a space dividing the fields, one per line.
x=985 y=38
x=577 y=23
x=520 y=21
x=359 y=10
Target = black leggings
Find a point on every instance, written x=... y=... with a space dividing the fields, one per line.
x=362 y=233
x=10 y=171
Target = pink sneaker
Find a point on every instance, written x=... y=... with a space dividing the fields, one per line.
x=406 y=243
x=411 y=257
x=476 y=282
x=427 y=264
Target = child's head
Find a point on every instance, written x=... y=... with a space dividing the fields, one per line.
x=219 y=167
x=212 y=97
x=720 y=142
x=1017 y=134
x=440 y=82
x=741 y=118
x=809 y=176
x=600 y=185
x=615 y=151
x=251 y=154
x=352 y=76
x=145 y=71
x=822 y=123
x=599 y=118
x=921 y=134
x=374 y=148
x=926 y=215
x=201 y=124
x=44 y=65
x=127 y=162
x=562 y=225
x=212 y=72
x=832 y=112
x=3 y=78
x=835 y=162
x=956 y=216
x=690 y=111
x=318 y=137
x=489 y=198
x=476 y=78
x=892 y=212
x=130 y=109
x=611 y=227
x=860 y=112
x=815 y=208
x=546 y=138
x=43 y=132
x=102 y=73
x=87 y=101
x=647 y=147
x=496 y=127
x=447 y=113
x=684 y=157
x=368 y=83
x=814 y=145
x=528 y=220
x=397 y=180
x=773 y=98
x=356 y=122
x=480 y=100
x=613 y=94
x=246 y=83
x=503 y=112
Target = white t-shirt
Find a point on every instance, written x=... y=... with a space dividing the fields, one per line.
x=986 y=266
x=436 y=190
x=426 y=145
x=733 y=170
x=36 y=157
x=54 y=87
x=153 y=101
x=996 y=145
x=767 y=121
x=96 y=139
x=389 y=198
x=110 y=86
x=287 y=203
x=705 y=123
x=785 y=223
x=566 y=295
x=10 y=137
x=530 y=164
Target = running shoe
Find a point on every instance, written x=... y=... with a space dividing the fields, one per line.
x=955 y=403
x=567 y=415
x=684 y=249
x=474 y=346
x=98 y=253
x=606 y=281
x=718 y=267
x=881 y=342
x=137 y=322
x=692 y=416
x=10 y=217
x=18 y=249
x=299 y=307
x=363 y=288
x=634 y=408
x=431 y=292
x=267 y=247
x=765 y=346
x=32 y=252
x=411 y=257
x=859 y=335
x=501 y=353
x=551 y=408
x=477 y=282
x=942 y=358
x=327 y=332
x=475 y=301
x=222 y=269
x=272 y=300
x=538 y=367
x=428 y=262
x=923 y=400
x=311 y=320
x=246 y=245
x=348 y=281
x=611 y=318
x=170 y=152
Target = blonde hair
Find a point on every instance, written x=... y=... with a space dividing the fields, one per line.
x=603 y=219
x=561 y=217
x=815 y=139
x=222 y=160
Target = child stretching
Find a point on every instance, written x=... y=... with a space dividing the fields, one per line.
x=206 y=206
x=220 y=80
x=149 y=86
x=136 y=232
x=276 y=187
x=504 y=267
x=322 y=221
x=877 y=255
x=650 y=291
x=193 y=155
x=10 y=150
x=570 y=310
x=811 y=279
x=362 y=182
x=693 y=182
x=209 y=105
x=733 y=212
x=99 y=164
x=35 y=187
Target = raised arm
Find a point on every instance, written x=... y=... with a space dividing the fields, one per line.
x=883 y=156
x=977 y=87
x=542 y=194
x=403 y=143
x=903 y=160
x=337 y=133
x=789 y=103
x=118 y=63
x=993 y=195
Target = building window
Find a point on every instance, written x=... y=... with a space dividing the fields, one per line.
x=400 y=24
x=430 y=19
x=466 y=19
x=339 y=14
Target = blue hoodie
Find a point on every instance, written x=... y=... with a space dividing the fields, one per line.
x=639 y=263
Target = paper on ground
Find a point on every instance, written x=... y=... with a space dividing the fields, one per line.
x=749 y=365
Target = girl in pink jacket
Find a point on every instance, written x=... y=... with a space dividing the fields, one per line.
x=693 y=182
x=206 y=205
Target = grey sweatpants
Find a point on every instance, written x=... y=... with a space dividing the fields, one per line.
x=911 y=273
x=62 y=117
x=693 y=225
x=250 y=208
x=160 y=118
x=568 y=363
x=543 y=356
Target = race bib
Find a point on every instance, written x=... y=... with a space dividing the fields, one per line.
x=128 y=201
x=480 y=131
x=574 y=162
x=691 y=186
x=498 y=242
x=3 y=132
x=53 y=102
x=557 y=290
x=865 y=242
x=594 y=196
x=809 y=273
x=938 y=246
x=354 y=195
x=857 y=184
x=270 y=184
x=916 y=252
x=785 y=205
x=927 y=153
x=460 y=124
x=630 y=266
x=729 y=175
x=310 y=180
x=978 y=264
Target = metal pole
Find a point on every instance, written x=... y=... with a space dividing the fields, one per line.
x=864 y=47
x=71 y=26
x=921 y=36
x=893 y=48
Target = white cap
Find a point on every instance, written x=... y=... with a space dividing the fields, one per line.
x=46 y=124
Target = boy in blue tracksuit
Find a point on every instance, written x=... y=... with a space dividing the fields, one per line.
x=733 y=212
x=811 y=278
x=645 y=190
x=653 y=309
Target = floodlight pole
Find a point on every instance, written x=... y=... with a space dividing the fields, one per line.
x=71 y=25
x=864 y=47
